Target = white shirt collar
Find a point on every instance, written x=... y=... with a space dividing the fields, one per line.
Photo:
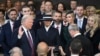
x=74 y=55
x=47 y=28
x=55 y=25
x=24 y=28
x=65 y=23
x=59 y=27
x=11 y=22
x=77 y=34
x=80 y=18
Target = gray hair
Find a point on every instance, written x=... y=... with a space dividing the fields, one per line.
x=15 y=50
x=26 y=17
x=73 y=27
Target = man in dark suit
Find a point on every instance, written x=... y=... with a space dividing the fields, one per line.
x=57 y=24
x=24 y=11
x=7 y=30
x=80 y=20
x=86 y=44
x=75 y=47
x=24 y=38
x=49 y=34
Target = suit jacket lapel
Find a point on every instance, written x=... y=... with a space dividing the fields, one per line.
x=75 y=20
x=9 y=26
x=84 y=22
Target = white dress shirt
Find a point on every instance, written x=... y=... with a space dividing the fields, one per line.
x=47 y=28
x=77 y=34
x=11 y=24
x=25 y=30
x=74 y=55
x=59 y=27
x=80 y=21
x=4 y=23
x=65 y=23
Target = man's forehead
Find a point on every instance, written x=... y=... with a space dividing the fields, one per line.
x=26 y=8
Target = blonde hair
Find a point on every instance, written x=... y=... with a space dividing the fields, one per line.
x=91 y=8
x=95 y=26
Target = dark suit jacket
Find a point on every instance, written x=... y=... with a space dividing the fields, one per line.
x=51 y=37
x=39 y=15
x=5 y=37
x=18 y=22
x=61 y=35
x=23 y=42
x=95 y=39
x=86 y=45
x=82 y=30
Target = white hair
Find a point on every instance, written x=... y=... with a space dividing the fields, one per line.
x=98 y=54
x=73 y=27
x=15 y=50
x=26 y=17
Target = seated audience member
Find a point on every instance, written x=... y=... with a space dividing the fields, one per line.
x=16 y=51
x=42 y=49
x=93 y=30
x=75 y=47
x=86 y=44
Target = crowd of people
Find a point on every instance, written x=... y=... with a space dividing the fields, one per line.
x=53 y=30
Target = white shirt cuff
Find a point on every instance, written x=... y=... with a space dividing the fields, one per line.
x=19 y=37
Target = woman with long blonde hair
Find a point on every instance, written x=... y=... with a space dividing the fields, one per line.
x=93 y=31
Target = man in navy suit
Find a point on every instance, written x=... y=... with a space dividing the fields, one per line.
x=57 y=24
x=24 y=11
x=7 y=30
x=80 y=20
x=24 y=37
x=86 y=43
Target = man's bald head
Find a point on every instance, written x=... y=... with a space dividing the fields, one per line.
x=42 y=48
